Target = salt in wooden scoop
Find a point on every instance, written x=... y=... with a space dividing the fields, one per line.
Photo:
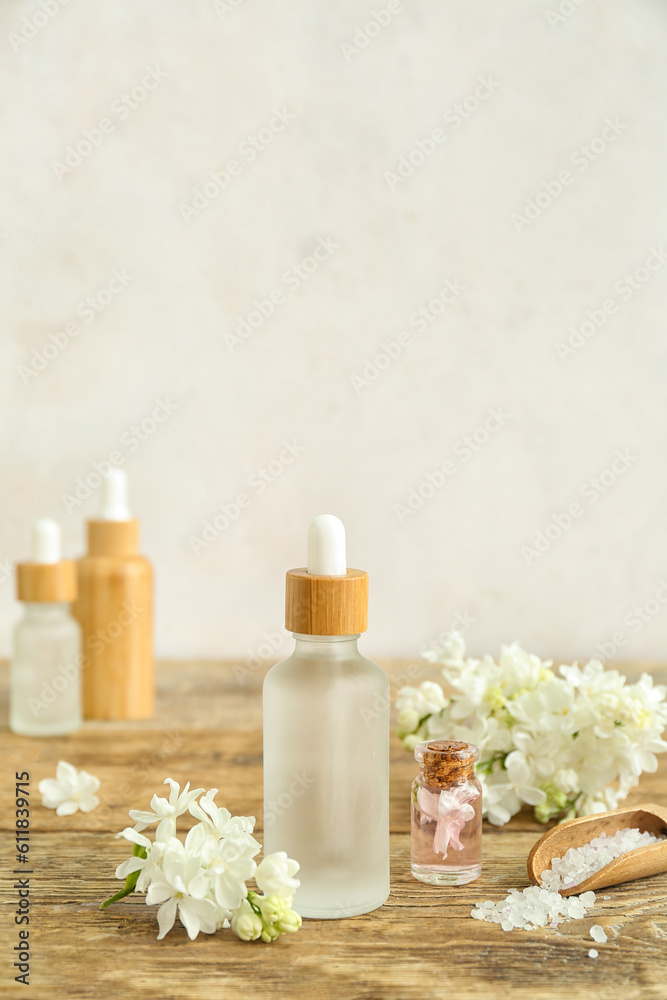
x=643 y=861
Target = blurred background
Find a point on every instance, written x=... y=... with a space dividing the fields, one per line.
x=404 y=262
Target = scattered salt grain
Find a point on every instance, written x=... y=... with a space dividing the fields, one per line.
x=534 y=907
x=593 y=953
x=539 y=905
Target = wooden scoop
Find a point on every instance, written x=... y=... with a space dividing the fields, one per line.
x=643 y=861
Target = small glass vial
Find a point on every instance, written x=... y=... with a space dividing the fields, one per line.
x=45 y=686
x=446 y=814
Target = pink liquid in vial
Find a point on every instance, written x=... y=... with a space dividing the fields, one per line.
x=446 y=831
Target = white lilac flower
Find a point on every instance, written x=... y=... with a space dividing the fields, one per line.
x=70 y=790
x=148 y=865
x=202 y=879
x=566 y=781
x=536 y=751
x=450 y=650
x=228 y=863
x=275 y=875
x=571 y=742
x=166 y=811
x=219 y=821
x=414 y=703
x=516 y=786
x=181 y=887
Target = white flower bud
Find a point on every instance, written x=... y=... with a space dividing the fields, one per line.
x=272 y=907
x=289 y=922
x=408 y=720
x=275 y=875
x=566 y=781
x=247 y=925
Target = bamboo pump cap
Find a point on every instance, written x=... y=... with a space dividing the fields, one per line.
x=46 y=578
x=326 y=598
x=114 y=532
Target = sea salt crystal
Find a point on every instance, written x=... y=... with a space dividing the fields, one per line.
x=579 y=863
x=540 y=905
x=592 y=953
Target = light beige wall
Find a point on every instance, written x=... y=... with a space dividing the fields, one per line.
x=336 y=106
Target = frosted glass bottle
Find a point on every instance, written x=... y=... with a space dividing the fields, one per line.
x=326 y=774
x=45 y=695
x=45 y=680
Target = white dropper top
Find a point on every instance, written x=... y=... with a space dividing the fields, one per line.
x=45 y=541
x=326 y=546
x=114 y=496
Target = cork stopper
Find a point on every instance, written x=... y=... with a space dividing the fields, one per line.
x=47 y=577
x=326 y=598
x=446 y=762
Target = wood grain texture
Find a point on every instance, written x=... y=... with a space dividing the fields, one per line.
x=326 y=605
x=37 y=582
x=421 y=944
x=114 y=608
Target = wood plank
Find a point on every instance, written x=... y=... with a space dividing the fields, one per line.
x=421 y=944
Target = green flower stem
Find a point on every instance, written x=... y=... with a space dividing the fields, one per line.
x=130 y=882
x=487 y=766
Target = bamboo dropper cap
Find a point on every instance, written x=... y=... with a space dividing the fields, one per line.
x=47 y=577
x=326 y=598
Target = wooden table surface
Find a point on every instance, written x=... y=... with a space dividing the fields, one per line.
x=421 y=944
